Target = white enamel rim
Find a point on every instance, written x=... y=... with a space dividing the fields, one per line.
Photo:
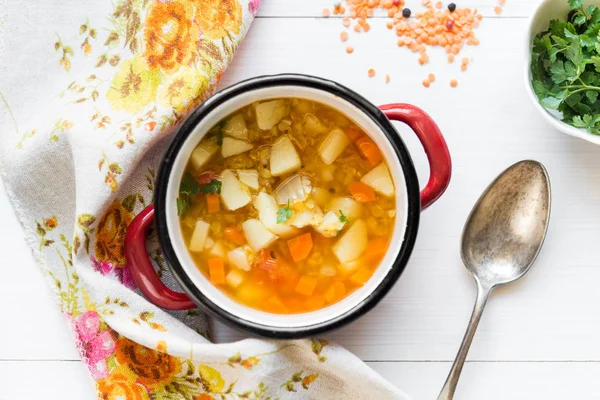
x=538 y=22
x=219 y=298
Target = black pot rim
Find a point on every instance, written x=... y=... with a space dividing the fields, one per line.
x=412 y=220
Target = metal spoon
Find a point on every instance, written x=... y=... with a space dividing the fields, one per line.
x=501 y=239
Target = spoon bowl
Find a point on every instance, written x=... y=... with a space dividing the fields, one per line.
x=501 y=239
x=505 y=230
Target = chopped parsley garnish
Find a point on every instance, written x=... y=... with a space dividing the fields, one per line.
x=565 y=67
x=188 y=187
x=283 y=214
x=343 y=218
x=212 y=187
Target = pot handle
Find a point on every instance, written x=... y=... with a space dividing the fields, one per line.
x=142 y=270
x=440 y=164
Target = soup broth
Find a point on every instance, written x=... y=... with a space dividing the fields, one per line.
x=287 y=206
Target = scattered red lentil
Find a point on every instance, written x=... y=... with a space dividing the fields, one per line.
x=431 y=77
x=450 y=30
x=426 y=83
x=498 y=10
x=463 y=67
x=502 y=2
x=387 y=78
x=325 y=12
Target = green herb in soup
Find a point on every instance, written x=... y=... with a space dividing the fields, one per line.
x=565 y=67
x=287 y=206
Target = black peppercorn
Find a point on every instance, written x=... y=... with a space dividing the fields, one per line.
x=406 y=12
x=451 y=7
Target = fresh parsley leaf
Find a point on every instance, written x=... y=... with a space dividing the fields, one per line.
x=283 y=214
x=212 y=187
x=182 y=206
x=592 y=95
x=550 y=102
x=575 y=4
x=188 y=185
x=343 y=218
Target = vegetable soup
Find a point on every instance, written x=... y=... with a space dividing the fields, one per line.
x=287 y=206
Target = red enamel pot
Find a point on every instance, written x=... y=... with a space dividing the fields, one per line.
x=410 y=201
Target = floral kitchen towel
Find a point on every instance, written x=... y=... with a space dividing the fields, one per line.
x=91 y=92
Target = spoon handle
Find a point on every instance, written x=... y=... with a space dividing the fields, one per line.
x=447 y=393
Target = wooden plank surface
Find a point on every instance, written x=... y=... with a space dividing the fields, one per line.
x=538 y=338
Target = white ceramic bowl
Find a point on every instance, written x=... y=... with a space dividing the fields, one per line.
x=538 y=22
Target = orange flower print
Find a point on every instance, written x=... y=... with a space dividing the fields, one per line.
x=117 y=386
x=219 y=18
x=204 y=396
x=308 y=379
x=250 y=362
x=152 y=367
x=51 y=223
x=111 y=234
x=170 y=35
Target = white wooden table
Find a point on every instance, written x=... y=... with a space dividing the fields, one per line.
x=539 y=338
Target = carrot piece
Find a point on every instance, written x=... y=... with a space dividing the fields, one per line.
x=235 y=234
x=369 y=150
x=361 y=276
x=376 y=249
x=216 y=269
x=213 y=205
x=306 y=285
x=300 y=246
x=353 y=134
x=335 y=292
x=362 y=192
x=275 y=305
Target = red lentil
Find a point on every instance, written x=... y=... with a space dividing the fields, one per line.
x=387 y=78
x=326 y=12
x=371 y=73
x=344 y=36
x=426 y=83
x=498 y=10
x=431 y=77
x=453 y=83
x=349 y=49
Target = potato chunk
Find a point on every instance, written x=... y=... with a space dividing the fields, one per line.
x=352 y=243
x=236 y=127
x=257 y=235
x=233 y=147
x=238 y=257
x=380 y=180
x=233 y=194
x=350 y=207
x=284 y=157
x=267 y=213
x=203 y=153
x=249 y=177
x=269 y=113
x=199 y=236
x=333 y=145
